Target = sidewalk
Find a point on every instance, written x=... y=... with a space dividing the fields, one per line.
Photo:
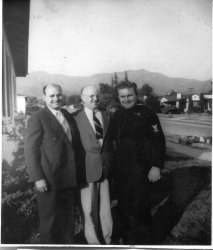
x=186 y=150
x=187 y=119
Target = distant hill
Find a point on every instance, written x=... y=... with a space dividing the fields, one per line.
x=32 y=84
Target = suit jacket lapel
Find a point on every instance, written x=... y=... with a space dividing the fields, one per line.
x=54 y=123
x=88 y=126
x=87 y=123
x=70 y=122
x=105 y=122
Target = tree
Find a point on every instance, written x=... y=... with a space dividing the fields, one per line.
x=112 y=81
x=107 y=96
x=210 y=90
x=73 y=100
x=41 y=102
x=172 y=92
x=64 y=100
x=104 y=88
x=149 y=97
x=146 y=90
x=153 y=102
x=190 y=106
x=202 y=106
x=33 y=104
x=115 y=81
x=32 y=101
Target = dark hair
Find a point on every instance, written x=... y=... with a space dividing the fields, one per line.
x=127 y=85
x=53 y=85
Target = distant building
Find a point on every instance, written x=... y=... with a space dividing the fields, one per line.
x=21 y=104
x=195 y=101
x=186 y=102
x=202 y=102
x=175 y=99
x=169 y=100
x=195 y=97
x=207 y=102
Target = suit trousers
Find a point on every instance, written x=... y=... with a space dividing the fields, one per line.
x=56 y=214
x=95 y=200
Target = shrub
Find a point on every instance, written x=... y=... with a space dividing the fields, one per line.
x=19 y=214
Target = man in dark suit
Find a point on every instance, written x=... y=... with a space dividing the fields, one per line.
x=94 y=131
x=55 y=159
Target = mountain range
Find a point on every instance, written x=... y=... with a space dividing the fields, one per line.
x=32 y=84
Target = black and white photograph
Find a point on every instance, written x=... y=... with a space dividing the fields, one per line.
x=106 y=124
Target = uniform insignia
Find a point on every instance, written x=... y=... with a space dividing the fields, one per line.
x=155 y=128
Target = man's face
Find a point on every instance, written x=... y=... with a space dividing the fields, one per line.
x=127 y=97
x=90 y=97
x=53 y=97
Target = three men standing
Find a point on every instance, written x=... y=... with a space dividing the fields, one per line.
x=63 y=152
x=55 y=159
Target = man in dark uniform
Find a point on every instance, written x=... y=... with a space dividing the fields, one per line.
x=139 y=153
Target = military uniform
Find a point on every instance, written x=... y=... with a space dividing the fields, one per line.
x=140 y=144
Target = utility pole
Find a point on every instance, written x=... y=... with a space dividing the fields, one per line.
x=126 y=77
x=116 y=80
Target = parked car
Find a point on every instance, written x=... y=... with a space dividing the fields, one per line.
x=170 y=110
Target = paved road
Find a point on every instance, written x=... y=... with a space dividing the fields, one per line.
x=185 y=128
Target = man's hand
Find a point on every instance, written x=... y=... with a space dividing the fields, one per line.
x=41 y=185
x=154 y=174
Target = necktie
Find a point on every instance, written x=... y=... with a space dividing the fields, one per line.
x=64 y=124
x=98 y=127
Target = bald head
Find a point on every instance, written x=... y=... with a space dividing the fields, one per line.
x=53 y=96
x=87 y=88
x=89 y=96
x=51 y=85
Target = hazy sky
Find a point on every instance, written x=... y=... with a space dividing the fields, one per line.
x=85 y=37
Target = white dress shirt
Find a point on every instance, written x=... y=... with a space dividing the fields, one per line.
x=89 y=114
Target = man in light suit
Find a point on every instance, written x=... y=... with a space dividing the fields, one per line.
x=55 y=159
x=94 y=131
